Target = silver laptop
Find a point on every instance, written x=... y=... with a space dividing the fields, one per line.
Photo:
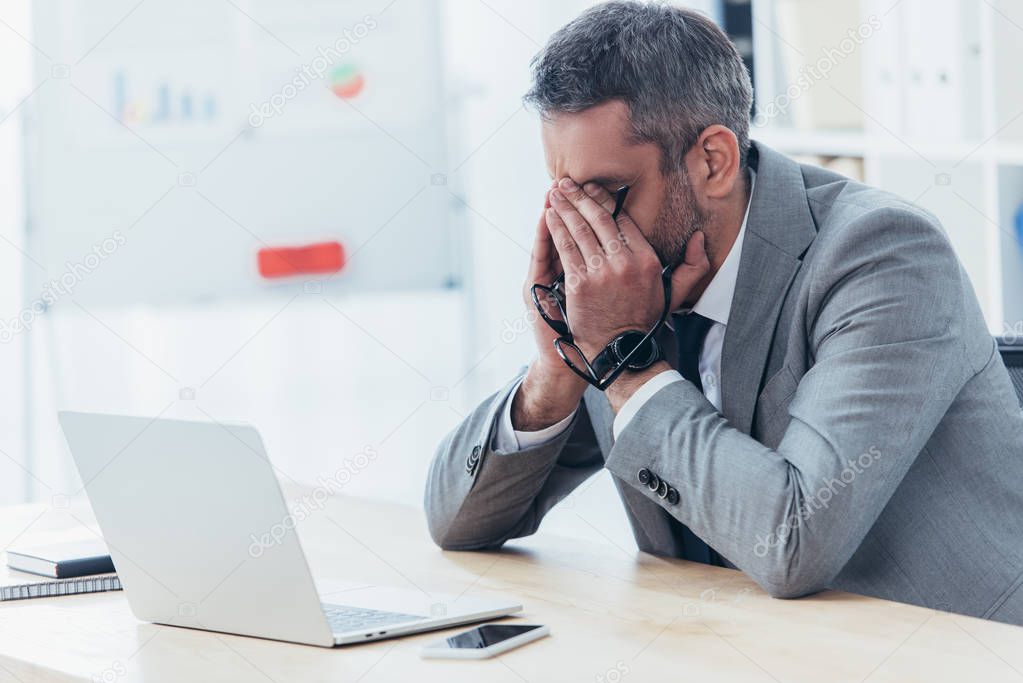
x=201 y=537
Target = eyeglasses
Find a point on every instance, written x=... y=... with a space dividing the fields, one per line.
x=550 y=301
x=608 y=365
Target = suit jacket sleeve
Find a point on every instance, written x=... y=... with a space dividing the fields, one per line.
x=478 y=496
x=883 y=332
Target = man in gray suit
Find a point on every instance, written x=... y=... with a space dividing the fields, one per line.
x=826 y=407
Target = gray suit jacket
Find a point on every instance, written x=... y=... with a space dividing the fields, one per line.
x=869 y=438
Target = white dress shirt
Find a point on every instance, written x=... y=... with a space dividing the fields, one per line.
x=714 y=304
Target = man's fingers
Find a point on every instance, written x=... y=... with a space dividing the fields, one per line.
x=600 y=195
x=629 y=234
x=544 y=264
x=543 y=250
x=594 y=213
x=693 y=268
x=579 y=228
x=564 y=243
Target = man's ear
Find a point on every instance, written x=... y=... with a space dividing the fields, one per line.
x=715 y=159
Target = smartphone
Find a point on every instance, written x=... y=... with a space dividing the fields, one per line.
x=484 y=641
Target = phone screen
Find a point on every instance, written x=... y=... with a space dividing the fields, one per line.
x=487 y=635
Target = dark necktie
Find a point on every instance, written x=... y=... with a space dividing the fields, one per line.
x=690 y=331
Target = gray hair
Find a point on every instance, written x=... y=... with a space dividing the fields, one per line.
x=674 y=68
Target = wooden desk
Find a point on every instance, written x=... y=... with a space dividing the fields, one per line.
x=614 y=617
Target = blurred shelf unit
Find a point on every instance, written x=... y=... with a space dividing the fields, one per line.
x=918 y=97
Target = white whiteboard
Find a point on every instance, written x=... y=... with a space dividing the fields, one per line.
x=157 y=136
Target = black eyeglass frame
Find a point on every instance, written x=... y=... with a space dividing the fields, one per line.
x=588 y=373
x=556 y=295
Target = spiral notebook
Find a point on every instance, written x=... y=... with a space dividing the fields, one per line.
x=19 y=585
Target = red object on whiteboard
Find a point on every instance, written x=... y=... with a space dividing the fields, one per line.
x=322 y=257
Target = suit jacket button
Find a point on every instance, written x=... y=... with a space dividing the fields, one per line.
x=662 y=490
x=673 y=496
x=644 y=476
x=654 y=482
x=472 y=461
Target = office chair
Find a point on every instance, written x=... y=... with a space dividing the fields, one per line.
x=1012 y=355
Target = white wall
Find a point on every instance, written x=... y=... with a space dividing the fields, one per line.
x=14 y=88
x=323 y=378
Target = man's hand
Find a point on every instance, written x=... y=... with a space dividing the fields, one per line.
x=550 y=391
x=613 y=275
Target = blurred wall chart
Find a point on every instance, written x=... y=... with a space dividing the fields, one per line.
x=302 y=178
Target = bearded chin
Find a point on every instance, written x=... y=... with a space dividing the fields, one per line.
x=678 y=219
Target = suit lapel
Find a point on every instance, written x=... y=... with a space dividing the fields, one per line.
x=778 y=231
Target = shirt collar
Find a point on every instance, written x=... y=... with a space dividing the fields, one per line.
x=716 y=300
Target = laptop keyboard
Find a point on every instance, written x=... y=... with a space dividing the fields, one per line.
x=343 y=618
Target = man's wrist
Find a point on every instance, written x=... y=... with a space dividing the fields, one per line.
x=591 y=350
x=544 y=398
x=630 y=381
